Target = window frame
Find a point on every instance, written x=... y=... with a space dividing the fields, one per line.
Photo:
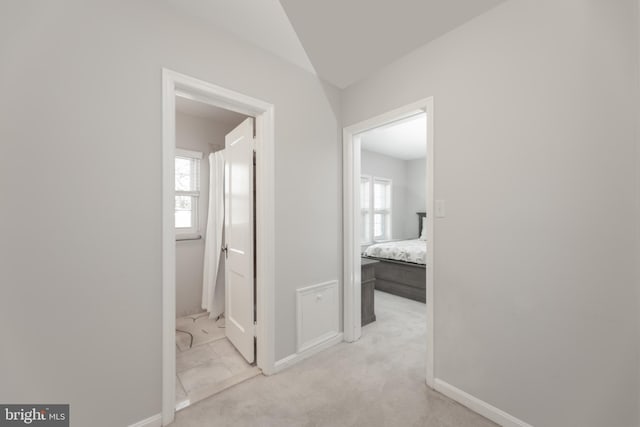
x=368 y=227
x=386 y=235
x=365 y=212
x=193 y=194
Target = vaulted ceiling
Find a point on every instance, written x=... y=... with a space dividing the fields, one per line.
x=347 y=40
x=342 y=41
x=260 y=22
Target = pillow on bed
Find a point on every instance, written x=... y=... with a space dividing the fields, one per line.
x=423 y=235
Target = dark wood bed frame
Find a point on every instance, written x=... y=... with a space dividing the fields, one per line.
x=404 y=279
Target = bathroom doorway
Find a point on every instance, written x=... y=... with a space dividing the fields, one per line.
x=248 y=229
x=207 y=361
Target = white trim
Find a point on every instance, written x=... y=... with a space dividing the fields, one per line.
x=351 y=220
x=181 y=152
x=351 y=234
x=481 y=407
x=265 y=238
x=175 y=84
x=168 y=248
x=430 y=199
x=187 y=238
x=153 y=421
x=295 y=358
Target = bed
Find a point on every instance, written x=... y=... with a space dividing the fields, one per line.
x=401 y=268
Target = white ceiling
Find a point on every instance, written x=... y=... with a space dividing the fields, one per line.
x=262 y=23
x=340 y=41
x=348 y=40
x=206 y=111
x=404 y=139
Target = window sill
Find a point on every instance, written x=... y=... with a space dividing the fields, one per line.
x=188 y=237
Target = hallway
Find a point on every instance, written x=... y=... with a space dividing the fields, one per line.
x=377 y=381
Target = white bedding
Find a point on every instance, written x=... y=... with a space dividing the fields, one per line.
x=414 y=251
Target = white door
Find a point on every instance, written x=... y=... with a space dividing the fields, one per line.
x=238 y=222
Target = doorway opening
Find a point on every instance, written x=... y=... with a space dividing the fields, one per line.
x=210 y=356
x=388 y=223
x=217 y=240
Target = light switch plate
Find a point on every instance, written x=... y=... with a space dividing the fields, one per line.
x=440 y=212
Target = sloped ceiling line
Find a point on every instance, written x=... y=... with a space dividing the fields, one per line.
x=341 y=41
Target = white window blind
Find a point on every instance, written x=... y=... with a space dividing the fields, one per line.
x=187 y=190
x=375 y=205
x=365 y=206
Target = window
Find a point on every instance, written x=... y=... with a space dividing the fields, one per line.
x=365 y=206
x=187 y=191
x=375 y=205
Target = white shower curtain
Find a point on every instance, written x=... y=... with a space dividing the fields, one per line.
x=213 y=275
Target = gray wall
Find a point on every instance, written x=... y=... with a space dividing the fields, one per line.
x=638 y=189
x=536 y=155
x=408 y=189
x=206 y=136
x=535 y=125
x=80 y=258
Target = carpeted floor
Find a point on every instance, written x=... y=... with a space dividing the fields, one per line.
x=376 y=381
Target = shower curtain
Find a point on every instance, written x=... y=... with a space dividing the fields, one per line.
x=213 y=275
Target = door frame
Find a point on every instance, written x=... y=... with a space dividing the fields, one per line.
x=174 y=84
x=351 y=223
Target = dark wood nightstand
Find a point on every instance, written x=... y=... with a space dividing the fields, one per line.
x=368 y=280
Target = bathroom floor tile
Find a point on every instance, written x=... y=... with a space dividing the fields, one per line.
x=181 y=394
x=195 y=356
x=224 y=348
x=208 y=368
x=199 y=326
x=204 y=375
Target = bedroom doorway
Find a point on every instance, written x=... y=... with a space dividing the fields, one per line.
x=388 y=223
x=246 y=170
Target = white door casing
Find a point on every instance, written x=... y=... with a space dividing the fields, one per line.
x=239 y=213
x=177 y=84
x=351 y=217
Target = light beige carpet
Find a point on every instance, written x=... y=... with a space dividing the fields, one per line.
x=200 y=327
x=378 y=381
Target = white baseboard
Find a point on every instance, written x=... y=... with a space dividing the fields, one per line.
x=483 y=408
x=154 y=421
x=292 y=359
